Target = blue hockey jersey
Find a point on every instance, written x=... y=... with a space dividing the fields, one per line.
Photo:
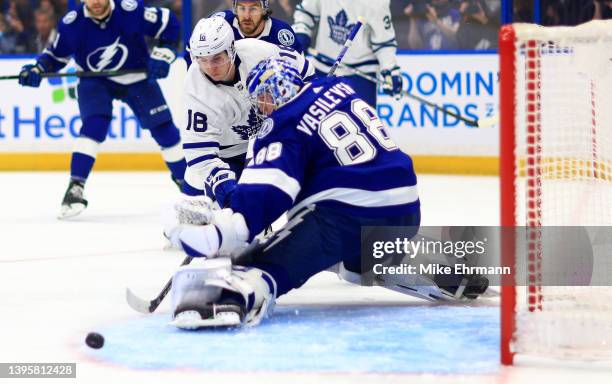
x=275 y=31
x=115 y=43
x=325 y=147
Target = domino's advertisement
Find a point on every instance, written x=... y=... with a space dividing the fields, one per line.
x=466 y=84
x=46 y=119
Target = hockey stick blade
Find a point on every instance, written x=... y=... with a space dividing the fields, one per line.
x=143 y=306
x=488 y=122
x=138 y=304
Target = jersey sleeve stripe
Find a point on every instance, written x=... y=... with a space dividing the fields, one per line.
x=362 y=198
x=203 y=144
x=64 y=60
x=165 y=17
x=200 y=159
x=300 y=8
x=385 y=46
x=305 y=68
x=390 y=41
x=301 y=23
x=272 y=177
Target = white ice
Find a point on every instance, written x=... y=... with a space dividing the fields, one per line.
x=62 y=279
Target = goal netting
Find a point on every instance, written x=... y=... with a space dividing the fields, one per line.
x=556 y=171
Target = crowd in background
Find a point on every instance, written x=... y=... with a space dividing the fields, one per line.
x=27 y=26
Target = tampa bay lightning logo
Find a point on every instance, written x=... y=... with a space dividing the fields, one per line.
x=339 y=27
x=110 y=57
x=286 y=37
x=266 y=128
x=251 y=128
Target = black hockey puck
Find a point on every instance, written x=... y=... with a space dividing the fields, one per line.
x=94 y=340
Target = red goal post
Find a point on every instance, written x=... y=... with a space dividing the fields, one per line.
x=555 y=170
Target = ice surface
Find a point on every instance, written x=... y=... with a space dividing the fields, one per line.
x=60 y=280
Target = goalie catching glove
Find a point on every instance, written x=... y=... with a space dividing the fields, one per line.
x=227 y=233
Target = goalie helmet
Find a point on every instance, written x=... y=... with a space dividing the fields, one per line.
x=276 y=77
x=265 y=5
x=211 y=36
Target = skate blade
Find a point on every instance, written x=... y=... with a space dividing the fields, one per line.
x=72 y=210
x=191 y=320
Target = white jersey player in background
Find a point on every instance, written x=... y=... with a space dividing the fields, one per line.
x=373 y=50
x=220 y=117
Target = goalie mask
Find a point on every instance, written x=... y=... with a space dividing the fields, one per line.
x=273 y=83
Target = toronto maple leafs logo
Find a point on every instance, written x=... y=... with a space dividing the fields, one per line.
x=250 y=128
x=339 y=27
x=110 y=57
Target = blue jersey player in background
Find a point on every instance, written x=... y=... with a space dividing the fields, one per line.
x=105 y=36
x=323 y=156
x=251 y=19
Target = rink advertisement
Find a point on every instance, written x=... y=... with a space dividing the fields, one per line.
x=38 y=125
x=466 y=84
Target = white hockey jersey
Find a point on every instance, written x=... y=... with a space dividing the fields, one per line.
x=220 y=117
x=374 y=47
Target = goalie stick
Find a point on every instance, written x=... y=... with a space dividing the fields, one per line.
x=144 y=306
x=480 y=123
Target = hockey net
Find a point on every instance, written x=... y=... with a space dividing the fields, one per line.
x=556 y=170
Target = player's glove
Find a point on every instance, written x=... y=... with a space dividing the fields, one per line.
x=227 y=234
x=392 y=82
x=222 y=184
x=30 y=75
x=159 y=63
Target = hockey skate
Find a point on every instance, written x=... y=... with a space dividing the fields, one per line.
x=74 y=202
x=225 y=314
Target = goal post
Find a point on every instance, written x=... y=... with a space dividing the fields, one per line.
x=555 y=171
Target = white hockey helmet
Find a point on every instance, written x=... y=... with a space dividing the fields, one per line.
x=211 y=36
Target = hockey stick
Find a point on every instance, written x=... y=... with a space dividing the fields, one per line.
x=144 y=306
x=346 y=46
x=480 y=123
x=82 y=74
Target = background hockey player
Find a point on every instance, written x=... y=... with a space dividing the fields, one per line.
x=325 y=157
x=251 y=19
x=220 y=117
x=374 y=48
x=102 y=35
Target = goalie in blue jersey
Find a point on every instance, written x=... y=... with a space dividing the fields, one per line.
x=106 y=36
x=322 y=155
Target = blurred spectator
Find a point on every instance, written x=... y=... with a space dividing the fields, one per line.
x=596 y=10
x=19 y=19
x=283 y=9
x=433 y=24
x=206 y=8
x=44 y=21
x=522 y=11
x=479 y=26
x=8 y=39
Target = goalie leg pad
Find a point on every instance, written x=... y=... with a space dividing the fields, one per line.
x=215 y=294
